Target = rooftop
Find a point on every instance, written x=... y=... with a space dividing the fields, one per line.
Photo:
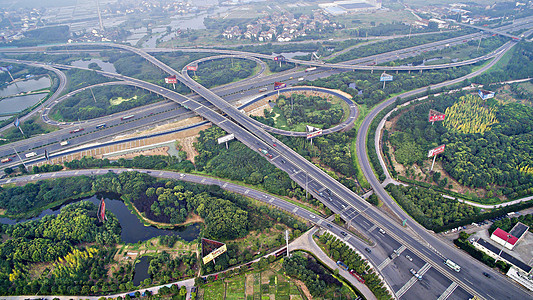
x=511 y=239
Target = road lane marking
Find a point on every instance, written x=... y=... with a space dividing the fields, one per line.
x=384 y=263
x=448 y=291
x=406 y=286
x=372 y=228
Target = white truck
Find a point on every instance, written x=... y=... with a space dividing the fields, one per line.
x=64 y=143
x=31 y=154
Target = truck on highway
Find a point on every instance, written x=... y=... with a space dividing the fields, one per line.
x=31 y=154
x=357 y=276
x=265 y=152
x=342 y=265
x=452 y=265
x=127 y=117
x=263 y=89
x=310 y=69
x=64 y=143
x=6 y=160
x=77 y=130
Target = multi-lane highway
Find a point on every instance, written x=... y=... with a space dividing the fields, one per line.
x=415 y=241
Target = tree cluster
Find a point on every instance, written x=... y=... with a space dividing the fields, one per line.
x=311 y=273
x=221 y=71
x=164 y=269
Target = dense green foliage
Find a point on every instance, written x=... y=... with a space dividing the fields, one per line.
x=78 y=79
x=298 y=109
x=45 y=35
x=220 y=162
x=333 y=151
x=520 y=65
x=469 y=114
x=369 y=90
x=429 y=208
x=165 y=269
x=315 y=277
x=56 y=239
x=158 y=162
x=83 y=106
x=338 y=250
x=35 y=196
x=29 y=127
x=497 y=158
x=221 y=71
x=391 y=45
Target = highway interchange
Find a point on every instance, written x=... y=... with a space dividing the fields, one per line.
x=414 y=240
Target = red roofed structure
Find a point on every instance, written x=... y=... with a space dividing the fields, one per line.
x=503 y=238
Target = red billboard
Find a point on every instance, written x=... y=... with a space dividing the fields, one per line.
x=435 y=116
x=171 y=79
x=192 y=68
x=436 y=151
x=279 y=85
x=313 y=134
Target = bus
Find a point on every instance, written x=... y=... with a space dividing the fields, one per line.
x=127 y=117
x=452 y=265
x=310 y=69
x=342 y=265
x=100 y=126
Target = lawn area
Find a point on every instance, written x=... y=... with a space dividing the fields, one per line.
x=214 y=291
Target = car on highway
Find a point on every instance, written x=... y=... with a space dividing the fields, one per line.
x=329 y=225
x=409 y=258
x=343 y=233
x=487 y=275
x=368 y=250
x=381 y=231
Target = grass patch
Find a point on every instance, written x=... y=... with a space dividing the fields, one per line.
x=118 y=100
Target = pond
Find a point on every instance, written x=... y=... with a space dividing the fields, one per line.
x=19 y=103
x=141 y=270
x=106 y=66
x=25 y=86
x=133 y=230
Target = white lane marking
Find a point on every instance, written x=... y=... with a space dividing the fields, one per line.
x=384 y=263
x=406 y=286
x=448 y=291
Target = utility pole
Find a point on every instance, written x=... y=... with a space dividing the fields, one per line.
x=21 y=160
x=92 y=94
x=287 y=241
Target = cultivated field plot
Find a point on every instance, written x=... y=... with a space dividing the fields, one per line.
x=265 y=285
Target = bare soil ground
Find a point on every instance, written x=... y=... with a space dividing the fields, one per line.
x=164 y=127
x=187 y=145
x=155 y=151
x=304 y=289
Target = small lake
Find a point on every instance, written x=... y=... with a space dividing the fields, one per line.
x=141 y=270
x=133 y=230
x=25 y=86
x=106 y=66
x=16 y=104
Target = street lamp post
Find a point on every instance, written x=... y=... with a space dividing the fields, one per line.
x=499 y=254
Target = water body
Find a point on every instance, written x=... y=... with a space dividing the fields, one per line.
x=106 y=66
x=133 y=230
x=141 y=270
x=16 y=104
x=25 y=86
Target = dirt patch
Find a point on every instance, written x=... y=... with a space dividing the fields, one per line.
x=165 y=127
x=304 y=289
x=249 y=285
x=187 y=145
x=149 y=152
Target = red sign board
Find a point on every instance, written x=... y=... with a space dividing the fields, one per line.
x=436 y=151
x=192 y=68
x=171 y=79
x=435 y=116
x=313 y=134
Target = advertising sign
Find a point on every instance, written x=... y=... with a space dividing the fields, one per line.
x=226 y=138
x=280 y=58
x=192 y=68
x=171 y=79
x=436 y=151
x=313 y=134
x=435 y=116
x=216 y=253
x=279 y=85
x=385 y=77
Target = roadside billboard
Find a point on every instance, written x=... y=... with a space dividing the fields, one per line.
x=192 y=68
x=226 y=138
x=279 y=85
x=435 y=116
x=216 y=253
x=436 y=151
x=171 y=79
x=385 y=77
